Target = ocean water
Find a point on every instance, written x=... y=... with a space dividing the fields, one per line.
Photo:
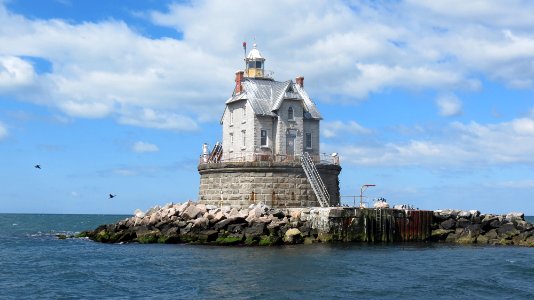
x=34 y=264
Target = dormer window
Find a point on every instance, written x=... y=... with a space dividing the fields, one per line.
x=290 y=113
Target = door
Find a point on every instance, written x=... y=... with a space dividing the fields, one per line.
x=290 y=143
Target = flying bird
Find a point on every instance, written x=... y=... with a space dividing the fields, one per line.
x=112 y=196
x=37 y=166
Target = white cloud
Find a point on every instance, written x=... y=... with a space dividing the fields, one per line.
x=15 y=73
x=346 y=50
x=460 y=146
x=336 y=128
x=3 y=131
x=160 y=120
x=449 y=105
x=142 y=147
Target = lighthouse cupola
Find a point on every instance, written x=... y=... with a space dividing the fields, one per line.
x=254 y=64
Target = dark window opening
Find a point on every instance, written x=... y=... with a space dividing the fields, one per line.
x=308 y=140
x=263 y=135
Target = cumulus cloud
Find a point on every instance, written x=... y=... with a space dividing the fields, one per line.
x=336 y=128
x=3 y=131
x=160 y=120
x=460 y=145
x=15 y=73
x=449 y=105
x=142 y=147
x=346 y=50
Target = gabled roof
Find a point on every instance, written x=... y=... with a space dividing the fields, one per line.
x=265 y=96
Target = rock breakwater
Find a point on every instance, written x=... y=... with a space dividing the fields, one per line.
x=471 y=227
x=207 y=224
x=260 y=225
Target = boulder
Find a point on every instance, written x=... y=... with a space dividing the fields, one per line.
x=448 y=224
x=147 y=237
x=278 y=213
x=226 y=222
x=305 y=229
x=469 y=235
x=515 y=216
x=462 y=223
x=237 y=227
x=255 y=230
x=464 y=214
x=183 y=207
x=222 y=224
x=201 y=223
x=492 y=234
x=231 y=239
x=154 y=219
x=264 y=219
x=207 y=236
x=440 y=234
x=439 y=216
x=293 y=236
x=191 y=212
x=139 y=213
x=154 y=209
x=474 y=213
x=482 y=239
x=449 y=213
x=295 y=214
x=243 y=213
x=522 y=225
x=211 y=207
x=202 y=208
x=507 y=231
x=217 y=217
x=170 y=235
x=172 y=212
x=186 y=229
x=234 y=212
x=495 y=223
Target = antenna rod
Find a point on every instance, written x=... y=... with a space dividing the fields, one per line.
x=245 y=51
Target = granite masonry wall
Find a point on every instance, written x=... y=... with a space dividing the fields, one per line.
x=276 y=184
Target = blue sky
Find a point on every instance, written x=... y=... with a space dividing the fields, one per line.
x=432 y=101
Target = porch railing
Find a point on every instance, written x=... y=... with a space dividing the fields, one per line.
x=322 y=158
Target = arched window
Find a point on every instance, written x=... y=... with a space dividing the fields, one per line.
x=290 y=113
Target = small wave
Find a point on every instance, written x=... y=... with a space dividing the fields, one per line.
x=510 y=261
x=14 y=224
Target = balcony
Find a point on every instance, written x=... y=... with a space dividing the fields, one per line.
x=322 y=158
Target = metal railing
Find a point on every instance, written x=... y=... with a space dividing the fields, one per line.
x=315 y=180
x=322 y=158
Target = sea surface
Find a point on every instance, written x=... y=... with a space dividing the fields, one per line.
x=35 y=264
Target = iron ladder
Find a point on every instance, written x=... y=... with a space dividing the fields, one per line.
x=315 y=180
x=378 y=217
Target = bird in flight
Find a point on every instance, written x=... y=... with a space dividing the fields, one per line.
x=37 y=166
x=112 y=196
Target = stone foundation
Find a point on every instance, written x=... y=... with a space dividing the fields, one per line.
x=276 y=184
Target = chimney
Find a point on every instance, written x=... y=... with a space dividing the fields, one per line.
x=300 y=81
x=238 y=78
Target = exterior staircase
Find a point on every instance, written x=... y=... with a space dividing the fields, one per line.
x=315 y=180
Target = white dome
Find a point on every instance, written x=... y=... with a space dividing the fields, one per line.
x=254 y=54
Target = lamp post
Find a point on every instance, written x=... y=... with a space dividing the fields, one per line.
x=363 y=188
